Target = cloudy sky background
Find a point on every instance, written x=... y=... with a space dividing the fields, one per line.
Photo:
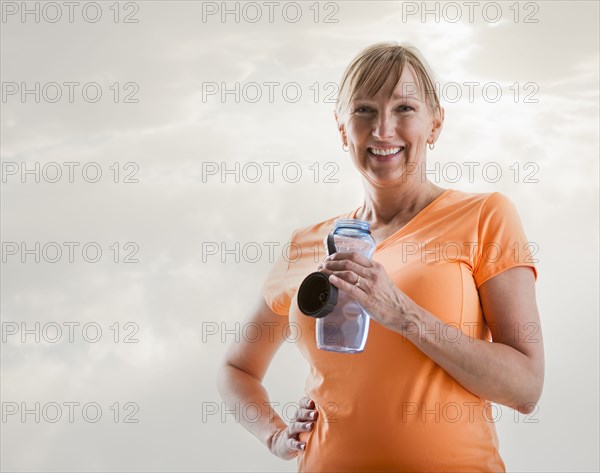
x=175 y=210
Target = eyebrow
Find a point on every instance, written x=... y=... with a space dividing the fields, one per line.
x=400 y=96
x=394 y=96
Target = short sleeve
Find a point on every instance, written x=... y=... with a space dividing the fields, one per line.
x=275 y=289
x=502 y=243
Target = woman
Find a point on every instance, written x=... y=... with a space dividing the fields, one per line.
x=450 y=274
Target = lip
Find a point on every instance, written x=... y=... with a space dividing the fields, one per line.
x=386 y=146
x=389 y=157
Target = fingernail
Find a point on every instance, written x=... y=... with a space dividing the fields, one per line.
x=312 y=415
x=302 y=446
x=308 y=425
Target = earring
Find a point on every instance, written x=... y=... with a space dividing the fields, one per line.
x=345 y=147
x=431 y=145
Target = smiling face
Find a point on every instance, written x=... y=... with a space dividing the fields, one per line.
x=387 y=134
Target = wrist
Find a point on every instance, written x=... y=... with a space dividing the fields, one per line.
x=276 y=427
x=411 y=322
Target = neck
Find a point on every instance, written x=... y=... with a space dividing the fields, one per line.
x=385 y=205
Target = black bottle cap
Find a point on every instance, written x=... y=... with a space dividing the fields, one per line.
x=317 y=297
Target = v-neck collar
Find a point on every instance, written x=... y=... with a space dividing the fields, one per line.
x=411 y=223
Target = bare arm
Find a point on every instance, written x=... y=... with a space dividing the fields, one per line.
x=510 y=370
x=243 y=369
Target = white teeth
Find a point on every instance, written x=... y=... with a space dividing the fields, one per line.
x=385 y=152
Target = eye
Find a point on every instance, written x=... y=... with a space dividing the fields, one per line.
x=362 y=109
x=406 y=108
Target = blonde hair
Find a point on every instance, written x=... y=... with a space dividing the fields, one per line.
x=373 y=66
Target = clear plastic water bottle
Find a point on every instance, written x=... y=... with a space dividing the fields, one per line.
x=346 y=328
x=342 y=323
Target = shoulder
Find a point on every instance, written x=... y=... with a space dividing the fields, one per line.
x=316 y=231
x=479 y=203
x=472 y=213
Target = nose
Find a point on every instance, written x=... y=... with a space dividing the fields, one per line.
x=384 y=127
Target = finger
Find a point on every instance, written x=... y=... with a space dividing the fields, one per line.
x=307 y=402
x=351 y=255
x=296 y=445
x=344 y=264
x=303 y=426
x=306 y=415
x=347 y=270
x=350 y=277
x=355 y=291
x=296 y=428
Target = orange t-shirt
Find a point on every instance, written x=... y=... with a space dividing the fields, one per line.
x=390 y=407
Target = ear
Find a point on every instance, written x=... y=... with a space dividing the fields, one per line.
x=341 y=128
x=438 y=123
